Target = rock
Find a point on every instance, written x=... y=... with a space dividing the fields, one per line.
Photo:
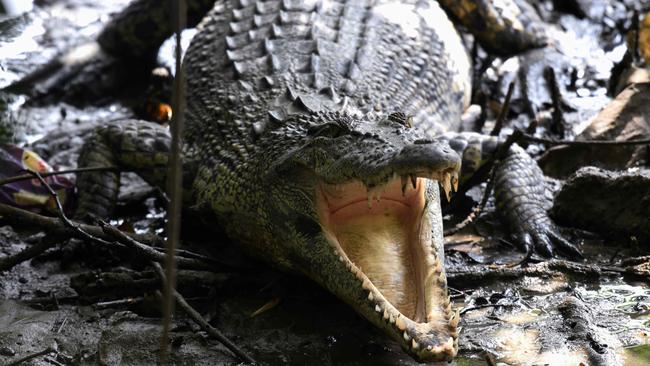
x=614 y=204
x=626 y=118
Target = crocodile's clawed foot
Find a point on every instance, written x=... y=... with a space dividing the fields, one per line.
x=546 y=240
x=85 y=74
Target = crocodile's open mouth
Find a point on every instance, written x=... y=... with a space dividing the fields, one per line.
x=384 y=236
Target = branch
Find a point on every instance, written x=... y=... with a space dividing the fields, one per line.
x=205 y=326
x=46 y=351
x=556 y=98
x=66 y=221
x=151 y=253
x=504 y=110
x=52 y=225
x=59 y=172
x=542 y=140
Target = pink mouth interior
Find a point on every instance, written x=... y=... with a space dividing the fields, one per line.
x=382 y=238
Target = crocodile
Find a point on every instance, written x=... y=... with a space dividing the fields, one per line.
x=322 y=135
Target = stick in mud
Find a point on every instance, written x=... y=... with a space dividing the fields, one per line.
x=205 y=326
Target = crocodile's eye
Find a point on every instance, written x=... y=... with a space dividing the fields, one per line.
x=331 y=129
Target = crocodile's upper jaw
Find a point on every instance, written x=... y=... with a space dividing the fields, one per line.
x=387 y=243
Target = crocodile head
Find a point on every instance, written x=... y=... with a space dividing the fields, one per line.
x=360 y=214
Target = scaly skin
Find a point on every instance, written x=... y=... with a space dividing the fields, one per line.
x=287 y=99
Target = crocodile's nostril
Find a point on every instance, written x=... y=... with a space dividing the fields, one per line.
x=423 y=141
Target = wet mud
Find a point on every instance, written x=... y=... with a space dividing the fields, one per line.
x=89 y=307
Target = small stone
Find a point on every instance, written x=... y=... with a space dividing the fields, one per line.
x=6 y=351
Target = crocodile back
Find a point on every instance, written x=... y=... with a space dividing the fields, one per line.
x=252 y=61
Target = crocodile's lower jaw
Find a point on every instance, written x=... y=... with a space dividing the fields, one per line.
x=387 y=244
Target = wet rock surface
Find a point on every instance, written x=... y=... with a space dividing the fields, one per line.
x=607 y=202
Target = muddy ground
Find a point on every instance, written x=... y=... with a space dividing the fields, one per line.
x=93 y=307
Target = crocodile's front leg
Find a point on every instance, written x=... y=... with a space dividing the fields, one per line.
x=131 y=145
x=520 y=192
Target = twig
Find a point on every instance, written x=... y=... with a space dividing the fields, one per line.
x=9 y=262
x=54 y=226
x=558 y=117
x=504 y=110
x=522 y=76
x=63 y=323
x=122 y=302
x=151 y=253
x=53 y=361
x=59 y=172
x=51 y=225
x=485 y=306
x=45 y=300
x=205 y=326
x=66 y=221
x=174 y=183
x=46 y=351
x=542 y=140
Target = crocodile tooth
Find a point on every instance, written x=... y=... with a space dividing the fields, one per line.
x=366 y=285
x=290 y=93
x=454 y=181
x=449 y=344
x=392 y=318
x=442 y=279
x=404 y=180
x=329 y=91
x=400 y=323
x=455 y=319
x=448 y=309
x=406 y=337
x=414 y=181
x=438 y=267
x=446 y=185
x=385 y=314
x=371 y=296
x=377 y=309
x=414 y=344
